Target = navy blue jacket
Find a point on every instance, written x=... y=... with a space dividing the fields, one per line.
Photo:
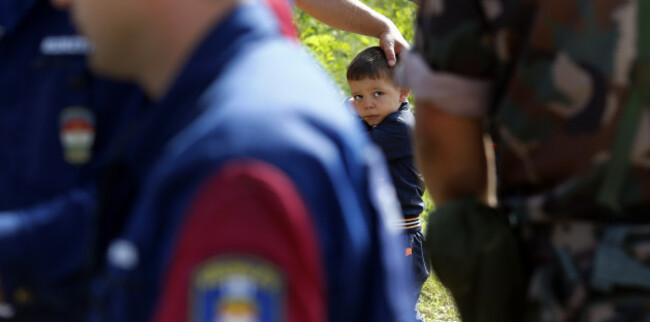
x=393 y=135
x=248 y=95
x=56 y=123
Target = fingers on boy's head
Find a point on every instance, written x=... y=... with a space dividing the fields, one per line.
x=370 y=63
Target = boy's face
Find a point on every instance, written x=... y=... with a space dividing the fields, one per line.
x=374 y=99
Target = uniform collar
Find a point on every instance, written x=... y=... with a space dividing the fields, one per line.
x=245 y=24
x=13 y=12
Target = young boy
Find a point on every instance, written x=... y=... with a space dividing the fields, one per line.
x=383 y=107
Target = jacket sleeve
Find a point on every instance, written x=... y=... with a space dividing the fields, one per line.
x=248 y=248
x=46 y=242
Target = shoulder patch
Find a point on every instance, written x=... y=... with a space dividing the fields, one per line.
x=237 y=288
x=247 y=215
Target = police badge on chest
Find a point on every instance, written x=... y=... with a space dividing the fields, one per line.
x=77 y=134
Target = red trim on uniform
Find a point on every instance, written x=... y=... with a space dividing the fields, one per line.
x=283 y=13
x=250 y=208
x=78 y=125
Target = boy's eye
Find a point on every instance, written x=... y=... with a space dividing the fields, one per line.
x=357 y=97
x=377 y=94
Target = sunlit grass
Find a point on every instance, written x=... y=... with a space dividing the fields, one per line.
x=436 y=304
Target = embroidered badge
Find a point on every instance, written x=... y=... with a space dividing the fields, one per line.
x=77 y=134
x=234 y=288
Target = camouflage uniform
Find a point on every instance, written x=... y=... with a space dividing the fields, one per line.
x=560 y=74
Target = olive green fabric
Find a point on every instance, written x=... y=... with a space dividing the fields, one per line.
x=639 y=98
x=475 y=255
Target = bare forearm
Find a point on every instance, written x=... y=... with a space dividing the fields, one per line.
x=450 y=153
x=348 y=15
x=354 y=16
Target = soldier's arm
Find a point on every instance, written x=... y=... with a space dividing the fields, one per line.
x=450 y=153
x=451 y=73
x=354 y=16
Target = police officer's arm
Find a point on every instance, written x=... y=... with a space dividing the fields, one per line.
x=50 y=238
x=354 y=16
x=247 y=223
x=54 y=226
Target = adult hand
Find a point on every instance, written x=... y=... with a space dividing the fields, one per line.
x=355 y=16
x=392 y=43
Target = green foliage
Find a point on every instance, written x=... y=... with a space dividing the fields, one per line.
x=334 y=49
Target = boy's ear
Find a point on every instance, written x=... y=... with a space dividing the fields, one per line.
x=403 y=94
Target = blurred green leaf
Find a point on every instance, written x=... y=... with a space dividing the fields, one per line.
x=334 y=49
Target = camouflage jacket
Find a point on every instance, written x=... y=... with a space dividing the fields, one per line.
x=560 y=75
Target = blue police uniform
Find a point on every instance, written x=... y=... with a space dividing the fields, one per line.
x=250 y=96
x=56 y=122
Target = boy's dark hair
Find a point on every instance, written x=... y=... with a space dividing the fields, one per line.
x=370 y=63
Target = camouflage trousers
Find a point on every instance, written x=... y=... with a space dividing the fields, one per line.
x=582 y=271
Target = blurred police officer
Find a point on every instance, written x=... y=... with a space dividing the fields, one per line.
x=253 y=194
x=56 y=122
